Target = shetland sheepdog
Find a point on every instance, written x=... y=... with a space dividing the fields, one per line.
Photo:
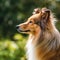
x=44 y=39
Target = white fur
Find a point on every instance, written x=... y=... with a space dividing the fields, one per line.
x=30 y=50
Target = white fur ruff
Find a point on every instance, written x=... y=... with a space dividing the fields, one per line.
x=30 y=50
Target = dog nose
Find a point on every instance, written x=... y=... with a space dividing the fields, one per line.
x=17 y=26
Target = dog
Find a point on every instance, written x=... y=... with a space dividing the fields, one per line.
x=44 y=39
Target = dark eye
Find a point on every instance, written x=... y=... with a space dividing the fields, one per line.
x=30 y=22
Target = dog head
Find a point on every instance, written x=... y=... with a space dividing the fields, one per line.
x=37 y=22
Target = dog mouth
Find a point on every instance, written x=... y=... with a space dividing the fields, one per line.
x=21 y=31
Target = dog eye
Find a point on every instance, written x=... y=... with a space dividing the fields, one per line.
x=30 y=22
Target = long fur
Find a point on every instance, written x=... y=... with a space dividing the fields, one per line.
x=47 y=45
x=44 y=44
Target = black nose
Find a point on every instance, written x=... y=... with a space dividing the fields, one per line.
x=17 y=27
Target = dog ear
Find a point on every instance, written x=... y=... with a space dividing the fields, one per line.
x=45 y=14
x=36 y=11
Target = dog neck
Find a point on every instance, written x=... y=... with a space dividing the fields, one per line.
x=31 y=46
x=42 y=43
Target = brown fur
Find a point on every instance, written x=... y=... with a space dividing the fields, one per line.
x=46 y=36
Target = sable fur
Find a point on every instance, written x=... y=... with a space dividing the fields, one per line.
x=44 y=38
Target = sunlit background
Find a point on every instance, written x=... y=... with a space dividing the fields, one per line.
x=14 y=12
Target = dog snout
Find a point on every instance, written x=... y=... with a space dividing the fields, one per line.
x=17 y=26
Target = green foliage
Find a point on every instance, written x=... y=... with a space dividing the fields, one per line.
x=58 y=25
x=13 y=50
x=13 y=12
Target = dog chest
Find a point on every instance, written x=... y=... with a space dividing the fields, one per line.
x=30 y=50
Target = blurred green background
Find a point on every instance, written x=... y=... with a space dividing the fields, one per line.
x=14 y=12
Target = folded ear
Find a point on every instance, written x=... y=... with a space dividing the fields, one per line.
x=45 y=14
x=36 y=11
